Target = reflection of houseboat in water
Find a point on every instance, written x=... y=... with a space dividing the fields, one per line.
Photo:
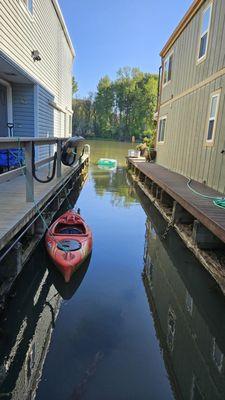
x=26 y=329
x=25 y=332
x=189 y=315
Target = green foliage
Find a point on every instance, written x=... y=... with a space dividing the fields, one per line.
x=74 y=86
x=120 y=109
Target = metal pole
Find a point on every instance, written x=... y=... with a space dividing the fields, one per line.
x=28 y=173
x=59 y=167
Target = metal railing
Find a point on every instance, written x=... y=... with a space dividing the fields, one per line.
x=26 y=144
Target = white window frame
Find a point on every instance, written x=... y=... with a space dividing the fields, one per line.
x=170 y=55
x=28 y=6
x=202 y=34
x=216 y=94
x=164 y=117
x=9 y=101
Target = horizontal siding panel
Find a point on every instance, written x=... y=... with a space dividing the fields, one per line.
x=23 y=110
x=20 y=34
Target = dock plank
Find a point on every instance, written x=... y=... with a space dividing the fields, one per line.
x=176 y=186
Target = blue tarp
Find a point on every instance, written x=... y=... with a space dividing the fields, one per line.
x=11 y=158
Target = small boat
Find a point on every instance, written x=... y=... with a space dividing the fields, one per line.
x=68 y=242
x=107 y=162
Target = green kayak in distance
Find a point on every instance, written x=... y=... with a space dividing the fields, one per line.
x=107 y=162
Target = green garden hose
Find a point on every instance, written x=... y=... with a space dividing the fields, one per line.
x=217 y=201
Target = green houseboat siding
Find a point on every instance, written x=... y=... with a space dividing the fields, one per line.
x=185 y=101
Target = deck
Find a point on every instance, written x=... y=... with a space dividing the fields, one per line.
x=175 y=185
x=15 y=212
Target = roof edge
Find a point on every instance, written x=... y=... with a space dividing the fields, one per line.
x=63 y=24
x=195 y=6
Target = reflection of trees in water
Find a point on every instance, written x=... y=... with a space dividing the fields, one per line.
x=116 y=183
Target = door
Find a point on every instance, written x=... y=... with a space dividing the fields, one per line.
x=3 y=112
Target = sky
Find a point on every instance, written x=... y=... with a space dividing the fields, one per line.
x=110 y=34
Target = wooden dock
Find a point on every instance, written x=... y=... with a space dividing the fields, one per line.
x=27 y=206
x=196 y=219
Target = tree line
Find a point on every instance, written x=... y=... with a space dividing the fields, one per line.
x=119 y=109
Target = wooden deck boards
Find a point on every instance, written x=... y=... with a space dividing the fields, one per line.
x=15 y=213
x=176 y=186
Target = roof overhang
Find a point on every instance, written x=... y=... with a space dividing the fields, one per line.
x=63 y=24
x=196 y=5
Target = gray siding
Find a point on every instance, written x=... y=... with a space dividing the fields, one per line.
x=45 y=113
x=22 y=32
x=23 y=110
x=45 y=120
x=185 y=150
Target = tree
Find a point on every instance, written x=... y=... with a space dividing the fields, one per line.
x=120 y=109
x=74 y=86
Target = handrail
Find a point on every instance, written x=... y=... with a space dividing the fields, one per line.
x=6 y=176
x=27 y=144
x=16 y=142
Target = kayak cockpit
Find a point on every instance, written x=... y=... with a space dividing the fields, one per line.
x=63 y=229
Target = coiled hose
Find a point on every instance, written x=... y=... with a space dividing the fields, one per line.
x=217 y=201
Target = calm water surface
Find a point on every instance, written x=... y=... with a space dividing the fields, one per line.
x=140 y=320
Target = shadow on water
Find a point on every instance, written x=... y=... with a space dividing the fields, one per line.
x=67 y=290
x=188 y=310
x=128 y=333
x=27 y=324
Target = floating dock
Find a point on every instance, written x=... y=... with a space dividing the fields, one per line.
x=26 y=206
x=197 y=220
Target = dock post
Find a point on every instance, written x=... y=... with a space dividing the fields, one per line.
x=29 y=175
x=204 y=239
x=19 y=263
x=180 y=215
x=59 y=166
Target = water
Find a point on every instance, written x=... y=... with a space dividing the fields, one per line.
x=141 y=320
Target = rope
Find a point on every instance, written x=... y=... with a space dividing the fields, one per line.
x=217 y=201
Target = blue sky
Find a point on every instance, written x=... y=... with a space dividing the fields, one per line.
x=109 y=34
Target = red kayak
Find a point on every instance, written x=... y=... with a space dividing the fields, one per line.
x=68 y=242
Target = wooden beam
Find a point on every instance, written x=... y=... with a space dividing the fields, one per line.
x=180 y=215
x=205 y=239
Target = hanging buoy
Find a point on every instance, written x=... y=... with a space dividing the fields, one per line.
x=72 y=150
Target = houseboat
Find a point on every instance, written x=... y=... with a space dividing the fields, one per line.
x=191 y=127
x=36 y=59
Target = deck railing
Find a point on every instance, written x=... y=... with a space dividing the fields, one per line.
x=26 y=144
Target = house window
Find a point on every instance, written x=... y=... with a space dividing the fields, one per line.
x=167 y=73
x=217 y=355
x=189 y=303
x=171 y=329
x=162 y=128
x=70 y=124
x=195 y=391
x=204 y=33
x=213 y=111
x=29 y=5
